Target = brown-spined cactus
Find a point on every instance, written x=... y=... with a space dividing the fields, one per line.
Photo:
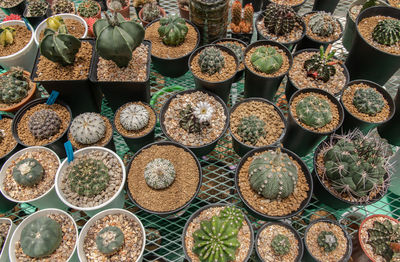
x=322 y=24
x=314 y=111
x=381 y=236
x=44 y=123
x=280 y=245
x=327 y=241
x=7 y=36
x=280 y=19
x=159 y=173
x=368 y=101
x=28 y=172
x=88 y=128
x=251 y=129
x=387 y=32
x=14 y=86
x=151 y=12
x=321 y=66
x=110 y=240
x=88 y=8
x=134 y=117
x=211 y=60
x=172 y=30
x=37 y=8
x=63 y=7
x=266 y=60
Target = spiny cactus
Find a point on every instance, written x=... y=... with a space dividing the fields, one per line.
x=236 y=12
x=314 y=111
x=273 y=174
x=250 y=129
x=322 y=24
x=266 y=60
x=28 y=172
x=41 y=237
x=151 y=12
x=44 y=123
x=248 y=13
x=280 y=244
x=236 y=48
x=233 y=215
x=134 y=117
x=117 y=5
x=14 y=86
x=63 y=7
x=159 y=173
x=88 y=128
x=7 y=36
x=380 y=237
x=368 y=101
x=211 y=60
x=110 y=240
x=327 y=241
x=280 y=19
x=37 y=8
x=88 y=177
x=88 y=8
x=193 y=120
x=387 y=32
x=321 y=66
x=172 y=30
x=216 y=240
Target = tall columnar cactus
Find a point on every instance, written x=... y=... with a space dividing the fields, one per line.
x=273 y=174
x=37 y=8
x=233 y=215
x=172 y=30
x=387 y=32
x=41 y=237
x=321 y=66
x=381 y=236
x=28 y=172
x=250 y=129
x=322 y=24
x=327 y=241
x=193 y=120
x=368 y=101
x=248 y=14
x=14 y=86
x=63 y=7
x=266 y=59
x=314 y=111
x=110 y=240
x=159 y=173
x=236 y=12
x=151 y=12
x=88 y=128
x=236 y=48
x=117 y=38
x=7 y=36
x=280 y=19
x=134 y=117
x=280 y=244
x=44 y=123
x=88 y=8
x=211 y=60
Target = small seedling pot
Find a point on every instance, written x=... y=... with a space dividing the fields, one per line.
x=11 y=229
x=145 y=23
x=97 y=16
x=295 y=7
x=36 y=20
x=16 y=148
x=328 y=6
x=18 y=9
x=391 y=129
x=125 y=10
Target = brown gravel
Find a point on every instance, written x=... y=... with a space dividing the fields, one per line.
x=4 y=227
x=133 y=239
x=176 y=195
x=66 y=247
x=32 y=88
x=74 y=27
x=395 y=3
x=21 y=39
x=288 y=2
x=294 y=35
x=299 y=77
x=283 y=70
x=25 y=134
x=241 y=66
x=317 y=251
x=274 y=124
x=366 y=27
x=347 y=99
x=9 y=3
x=334 y=37
x=8 y=143
x=136 y=71
x=244 y=235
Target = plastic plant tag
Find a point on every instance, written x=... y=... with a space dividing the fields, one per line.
x=69 y=151
x=1 y=117
x=52 y=98
x=26 y=23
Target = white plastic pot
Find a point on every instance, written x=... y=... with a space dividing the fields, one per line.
x=43 y=25
x=114 y=211
x=116 y=201
x=48 y=199
x=17 y=234
x=25 y=57
x=4 y=251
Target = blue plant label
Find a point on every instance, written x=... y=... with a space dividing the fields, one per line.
x=1 y=117
x=69 y=151
x=26 y=23
x=52 y=98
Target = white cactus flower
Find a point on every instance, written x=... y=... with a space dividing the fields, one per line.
x=203 y=112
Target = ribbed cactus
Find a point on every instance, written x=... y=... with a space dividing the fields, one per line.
x=63 y=7
x=28 y=172
x=134 y=117
x=172 y=30
x=88 y=128
x=236 y=12
x=233 y=215
x=159 y=173
x=236 y=48
x=211 y=60
x=314 y=111
x=110 y=240
x=151 y=11
x=7 y=36
x=380 y=237
x=248 y=14
x=368 y=101
x=266 y=60
x=322 y=24
x=88 y=177
x=14 y=86
x=280 y=244
x=44 y=123
x=88 y=8
x=41 y=237
x=250 y=129
x=387 y=32
x=273 y=174
x=327 y=241
x=37 y=8
x=193 y=120
x=280 y=19
x=321 y=66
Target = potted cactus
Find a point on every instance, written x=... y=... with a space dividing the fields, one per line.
x=138 y=4
x=89 y=8
x=183 y=6
x=242 y=27
x=391 y=129
x=13 y=6
x=36 y=11
x=150 y=12
x=294 y=4
x=120 y=6
x=63 y=7
x=7 y=228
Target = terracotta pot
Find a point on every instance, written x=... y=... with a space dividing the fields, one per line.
x=124 y=12
x=98 y=15
x=184 y=12
x=145 y=23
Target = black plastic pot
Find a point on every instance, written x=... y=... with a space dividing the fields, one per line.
x=5 y=204
x=17 y=9
x=220 y=88
x=351 y=121
x=367 y=62
x=241 y=148
x=58 y=145
x=295 y=157
x=391 y=129
x=257 y=4
x=16 y=148
x=173 y=67
x=172 y=213
x=118 y=93
x=301 y=140
x=300 y=246
x=102 y=4
x=325 y=5
x=308 y=257
x=246 y=38
x=78 y=94
x=36 y=20
x=295 y=7
x=198 y=212
x=256 y=85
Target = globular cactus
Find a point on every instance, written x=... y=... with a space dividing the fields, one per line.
x=211 y=60
x=159 y=173
x=88 y=128
x=280 y=244
x=88 y=8
x=322 y=24
x=7 y=36
x=321 y=66
x=368 y=101
x=266 y=60
x=250 y=129
x=88 y=177
x=172 y=30
x=117 y=5
x=273 y=174
x=151 y=12
x=381 y=236
x=134 y=117
x=55 y=22
x=387 y=32
x=236 y=12
x=28 y=172
x=280 y=19
x=44 y=123
x=233 y=215
x=236 y=48
x=327 y=241
x=314 y=111
x=14 y=86
x=37 y=8
x=63 y=7
x=216 y=240
x=193 y=120
x=110 y=240
x=41 y=237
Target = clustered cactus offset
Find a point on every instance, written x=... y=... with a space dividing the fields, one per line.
x=211 y=60
x=63 y=7
x=172 y=30
x=322 y=24
x=88 y=8
x=28 y=172
x=368 y=101
x=44 y=123
x=14 y=86
x=236 y=48
x=266 y=59
x=381 y=237
x=7 y=36
x=110 y=240
x=327 y=241
x=387 y=32
x=134 y=117
x=151 y=12
x=280 y=244
x=239 y=24
x=250 y=129
x=321 y=66
x=37 y=8
x=159 y=173
x=88 y=128
x=280 y=19
x=193 y=120
x=314 y=111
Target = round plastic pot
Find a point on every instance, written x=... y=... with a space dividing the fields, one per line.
x=5 y=205
x=256 y=85
x=198 y=212
x=351 y=121
x=17 y=9
x=124 y=12
x=4 y=249
x=257 y=4
x=295 y=7
x=58 y=145
x=42 y=213
x=91 y=221
x=16 y=148
x=220 y=88
x=251 y=209
x=367 y=62
x=172 y=214
x=25 y=57
x=300 y=246
x=246 y=38
x=241 y=148
x=173 y=67
x=301 y=140
x=36 y=20
x=325 y=5
x=197 y=150
x=391 y=129
x=145 y=23
x=308 y=257
x=183 y=12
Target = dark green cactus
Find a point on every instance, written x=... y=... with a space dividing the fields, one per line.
x=172 y=30
x=321 y=66
x=314 y=111
x=381 y=235
x=250 y=129
x=37 y=8
x=211 y=60
x=327 y=241
x=28 y=172
x=368 y=101
x=110 y=240
x=322 y=24
x=159 y=173
x=88 y=8
x=387 y=32
x=280 y=19
x=44 y=123
x=233 y=215
x=236 y=48
x=280 y=244
x=14 y=86
x=266 y=59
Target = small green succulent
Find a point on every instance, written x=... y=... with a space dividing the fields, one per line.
x=28 y=172
x=280 y=244
x=327 y=240
x=110 y=240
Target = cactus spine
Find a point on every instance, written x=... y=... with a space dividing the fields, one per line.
x=211 y=60
x=381 y=236
x=88 y=128
x=233 y=215
x=314 y=111
x=28 y=172
x=387 y=32
x=280 y=244
x=151 y=12
x=44 y=123
x=159 y=173
x=368 y=101
x=250 y=129
x=88 y=8
x=7 y=36
x=14 y=86
x=266 y=60
x=110 y=240
x=37 y=8
x=280 y=19
x=322 y=24
x=173 y=30
x=327 y=241
x=321 y=66
x=134 y=117
x=239 y=25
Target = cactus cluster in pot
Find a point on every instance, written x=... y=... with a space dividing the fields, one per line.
x=7 y=35
x=280 y=19
x=88 y=128
x=322 y=24
x=387 y=32
x=172 y=30
x=314 y=111
x=63 y=7
x=151 y=11
x=321 y=66
x=266 y=60
x=14 y=86
x=194 y=119
x=384 y=237
x=37 y=8
x=242 y=23
x=159 y=173
x=44 y=123
x=250 y=129
x=368 y=101
x=211 y=60
x=88 y=8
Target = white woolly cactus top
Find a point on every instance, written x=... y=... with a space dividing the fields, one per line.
x=88 y=128
x=134 y=117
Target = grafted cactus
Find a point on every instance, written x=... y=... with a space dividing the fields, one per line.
x=233 y=215
x=28 y=172
x=280 y=19
x=314 y=111
x=387 y=32
x=110 y=240
x=44 y=123
x=159 y=173
x=88 y=128
x=172 y=30
x=368 y=101
x=134 y=117
x=321 y=66
x=211 y=60
x=250 y=129
x=266 y=60
x=280 y=244
x=14 y=86
x=381 y=236
x=7 y=36
x=327 y=241
x=322 y=24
